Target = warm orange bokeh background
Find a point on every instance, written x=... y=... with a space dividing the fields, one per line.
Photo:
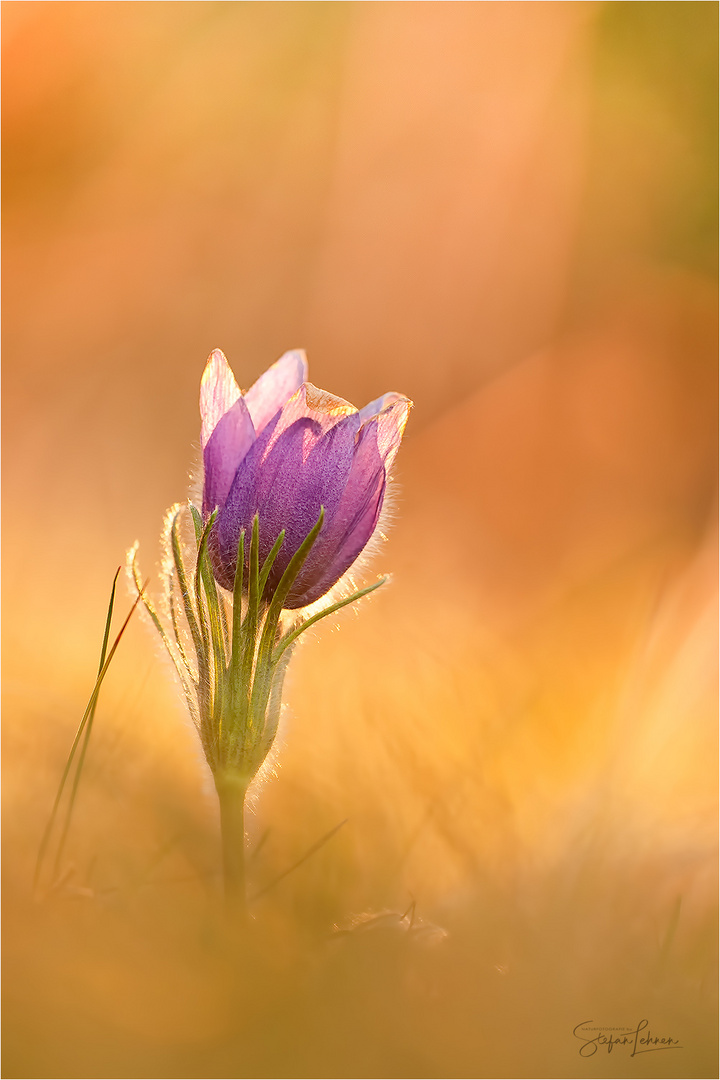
x=506 y=211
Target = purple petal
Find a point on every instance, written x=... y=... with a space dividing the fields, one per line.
x=218 y=393
x=391 y=423
x=284 y=493
x=320 y=481
x=375 y=407
x=276 y=386
x=319 y=577
x=329 y=407
x=326 y=409
x=226 y=448
x=349 y=525
x=267 y=484
x=303 y=404
x=332 y=460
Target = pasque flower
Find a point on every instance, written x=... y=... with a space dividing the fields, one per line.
x=294 y=484
x=282 y=451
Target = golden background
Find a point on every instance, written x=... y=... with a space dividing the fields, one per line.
x=506 y=211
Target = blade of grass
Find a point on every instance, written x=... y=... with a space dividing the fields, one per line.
x=89 y=710
x=88 y=732
x=308 y=854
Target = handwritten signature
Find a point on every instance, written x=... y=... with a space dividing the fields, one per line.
x=639 y=1040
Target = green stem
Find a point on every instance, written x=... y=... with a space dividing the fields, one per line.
x=232 y=788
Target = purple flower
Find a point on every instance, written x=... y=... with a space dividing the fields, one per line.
x=283 y=450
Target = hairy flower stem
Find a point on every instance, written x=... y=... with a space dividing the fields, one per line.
x=232 y=789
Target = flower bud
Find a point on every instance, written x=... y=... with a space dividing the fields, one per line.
x=282 y=451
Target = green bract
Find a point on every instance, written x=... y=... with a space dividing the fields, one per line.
x=231 y=654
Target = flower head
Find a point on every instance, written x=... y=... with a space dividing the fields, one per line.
x=282 y=451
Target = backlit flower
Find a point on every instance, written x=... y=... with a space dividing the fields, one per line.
x=282 y=451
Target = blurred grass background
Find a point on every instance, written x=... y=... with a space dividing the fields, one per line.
x=507 y=211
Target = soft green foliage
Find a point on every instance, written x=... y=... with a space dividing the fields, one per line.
x=233 y=682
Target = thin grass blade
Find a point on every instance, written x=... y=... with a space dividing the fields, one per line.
x=89 y=710
x=88 y=732
x=291 y=869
